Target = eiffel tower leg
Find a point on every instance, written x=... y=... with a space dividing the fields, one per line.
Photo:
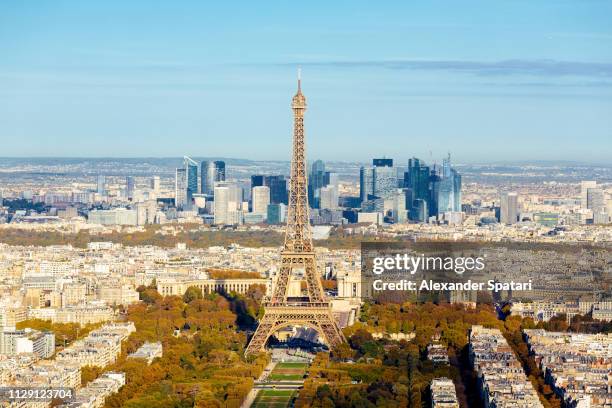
x=280 y=286
x=333 y=335
x=264 y=330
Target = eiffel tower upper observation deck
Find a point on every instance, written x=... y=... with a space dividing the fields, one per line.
x=311 y=310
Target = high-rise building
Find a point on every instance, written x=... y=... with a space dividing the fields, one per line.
x=385 y=181
x=417 y=179
x=331 y=178
x=261 y=199
x=378 y=181
x=278 y=189
x=180 y=187
x=191 y=168
x=595 y=200
x=228 y=200
x=257 y=180
x=601 y=217
x=277 y=213
x=439 y=191
x=584 y=186
x=155 y=184
x=211 y=173
x=366 y=183
x=129 y=187
x=447 y=189
x=398 y=206
x=146 y=212
x=316 y=180
x=328 y=197
x=186 y=184
x=277 y=185
x=382 y=162
x=101 y=184
x=419 y=210
x=222 y=198
x=508 y=212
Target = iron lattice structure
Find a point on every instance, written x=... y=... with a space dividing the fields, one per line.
x=313 y=310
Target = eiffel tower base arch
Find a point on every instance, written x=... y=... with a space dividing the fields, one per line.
x=317 y=317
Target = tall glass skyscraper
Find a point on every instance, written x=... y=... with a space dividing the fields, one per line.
x=210 y=173
x=277 y=185
x=366 y=183
x=101 y=184
x=180 y=187
x=186 y=184
x=433 y=192
x=385 y=181
x=316 y=180
x=129 y=187
x=278 y=189
x=378 y=181
x=447 y=190
x=191 y=169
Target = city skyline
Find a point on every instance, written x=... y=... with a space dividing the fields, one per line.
x=425 y=81
x=177 y=231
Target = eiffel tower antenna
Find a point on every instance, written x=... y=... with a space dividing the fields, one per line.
x=312 y=310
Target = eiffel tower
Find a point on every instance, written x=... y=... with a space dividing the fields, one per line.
x=280 y=310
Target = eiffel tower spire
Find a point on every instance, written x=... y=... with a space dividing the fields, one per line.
x=311 y=310
x=298 y=236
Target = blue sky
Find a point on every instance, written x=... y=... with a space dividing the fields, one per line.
x=486 y=80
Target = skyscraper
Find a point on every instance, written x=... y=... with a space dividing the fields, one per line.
x=129 y=187
x=180 y=188
x=211 y=173
x=378 y=181
x=508 y=212
x=382 y=162
x=366 y=183
x=257 y=180
x=261 y=199
x=277 y=213
x=419 y=211
x=228 y=200
x=447 y=190
x=316 y=180
x=328 y=197
x=595 y=200
x=155 y=185
x=331 y=178
x=278 y=189
x=385 y=181
x=101 y=185
x=417 y=179
x=398 y=206
x=222 y=198
x=191 y=167
x=277 y=185
x=431 y=192
x=584 y=186
x=186 y=184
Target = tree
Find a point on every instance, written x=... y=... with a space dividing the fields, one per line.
x=150 y=296
x=343 y=352
x=192 y=293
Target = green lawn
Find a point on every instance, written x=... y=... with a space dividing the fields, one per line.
x=286 y=377
x=273 y=398
x=288 y=371
x=292 y=365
